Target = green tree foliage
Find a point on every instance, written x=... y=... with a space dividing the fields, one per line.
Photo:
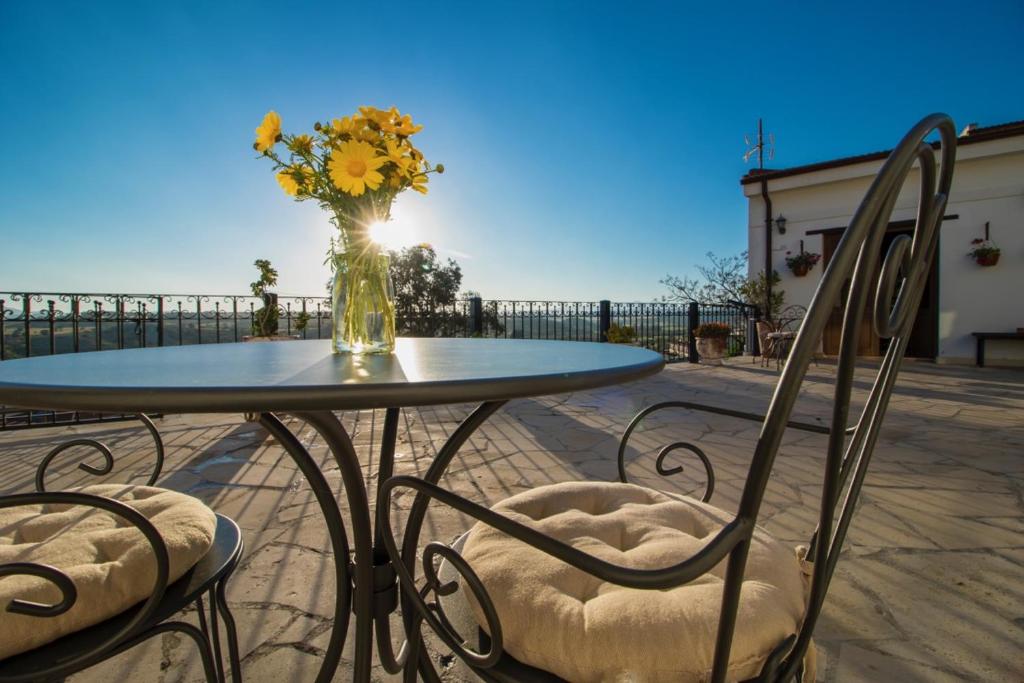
x=425 y=293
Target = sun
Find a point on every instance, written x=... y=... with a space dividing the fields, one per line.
x=395 y=234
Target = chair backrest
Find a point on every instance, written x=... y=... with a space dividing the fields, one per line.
x=903 y=274
x=764 y=328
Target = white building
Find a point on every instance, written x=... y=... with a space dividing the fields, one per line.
x=818 y=201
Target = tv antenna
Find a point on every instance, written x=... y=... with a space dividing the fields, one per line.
x=758 y=146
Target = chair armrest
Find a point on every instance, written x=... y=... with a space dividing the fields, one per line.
x=668 y=577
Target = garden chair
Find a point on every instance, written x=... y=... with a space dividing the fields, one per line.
x=86 y=574
x=589 y=581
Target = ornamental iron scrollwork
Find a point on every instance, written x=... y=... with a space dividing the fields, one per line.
x=144 y=613
x=108 y=456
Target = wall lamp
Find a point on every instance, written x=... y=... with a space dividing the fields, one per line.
x=780 y=223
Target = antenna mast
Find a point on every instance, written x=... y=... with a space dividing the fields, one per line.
x=759 y=145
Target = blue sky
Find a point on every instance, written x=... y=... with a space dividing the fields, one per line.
x=590 y=148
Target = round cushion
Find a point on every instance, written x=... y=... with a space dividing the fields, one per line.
x=110 y=562
x=562 y=620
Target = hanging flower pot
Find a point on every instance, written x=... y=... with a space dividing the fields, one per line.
x=802 y=263
x=984 y=252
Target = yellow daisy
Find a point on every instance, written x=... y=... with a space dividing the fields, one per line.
x=301 y=143
x=396 y=155
x=419 y=183
x=346 y=124
x=289 y=180
x=268 y=132
x=378 y=116
x=404 y=126
x=353 y=167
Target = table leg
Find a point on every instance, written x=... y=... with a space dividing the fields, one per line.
x=414 y=523
x=336 y=531
x=374 y=595
x=980 y=353
x=340 y=445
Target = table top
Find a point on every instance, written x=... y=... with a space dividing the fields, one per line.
x=306 y=375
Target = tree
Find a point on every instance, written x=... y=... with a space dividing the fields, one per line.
x=720 y=281
x=723 y=280
x=425 y=293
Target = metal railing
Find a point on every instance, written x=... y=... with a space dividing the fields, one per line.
x=45 y=323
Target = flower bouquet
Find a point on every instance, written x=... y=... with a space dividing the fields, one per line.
x=354 y=167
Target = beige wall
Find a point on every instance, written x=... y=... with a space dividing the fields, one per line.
x=988 y=185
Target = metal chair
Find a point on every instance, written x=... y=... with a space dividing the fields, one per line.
x=783 y=332
x=443 y=595
x=84 y=648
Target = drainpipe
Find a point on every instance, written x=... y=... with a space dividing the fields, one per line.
x=767 y=249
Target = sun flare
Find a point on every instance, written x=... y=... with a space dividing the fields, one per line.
x=393 y=235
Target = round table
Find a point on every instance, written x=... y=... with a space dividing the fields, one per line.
x=306 y=380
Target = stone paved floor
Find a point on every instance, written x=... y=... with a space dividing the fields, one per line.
x=931 y=587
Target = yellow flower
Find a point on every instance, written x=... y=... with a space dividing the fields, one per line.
x=419 y=183
x=396 y=155
x=404 y=126
x=301 y=143
x=378 y=116
x=346 y=124
x=293 y=180
x=353 y=167
x=268 y=132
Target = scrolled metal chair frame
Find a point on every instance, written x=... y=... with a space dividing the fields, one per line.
x=108 y=456
x=131 y=633
x=903 y=274
x=68 y=592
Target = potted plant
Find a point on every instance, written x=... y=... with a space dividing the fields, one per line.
x=711 y=342
x=802 y=263
x=984 y=252
x=265 y=319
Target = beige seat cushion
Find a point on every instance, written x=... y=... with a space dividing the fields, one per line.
x=567 y=622
x=110 y=562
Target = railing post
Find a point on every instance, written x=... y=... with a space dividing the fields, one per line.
x=753 y=343
x=692 y=321
x=605 y=319
x=476 y=316
x=159 y=321
x=26 y=308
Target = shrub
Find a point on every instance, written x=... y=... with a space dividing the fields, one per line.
x=621 y=334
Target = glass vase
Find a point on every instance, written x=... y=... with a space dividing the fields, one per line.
x=362 y=303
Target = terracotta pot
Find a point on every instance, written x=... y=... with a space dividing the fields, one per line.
x=800 y=270
x=711 y=350
x=987 y=259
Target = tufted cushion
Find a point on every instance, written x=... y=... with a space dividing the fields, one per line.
x=110 y=562
x=567 y=622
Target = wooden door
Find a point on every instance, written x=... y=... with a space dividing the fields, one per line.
x=923 y=342
x=867 y=345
